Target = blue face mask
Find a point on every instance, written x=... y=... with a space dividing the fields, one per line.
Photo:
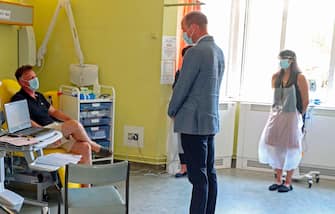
x=34 y=84
x=284 y=63
x=187 y=39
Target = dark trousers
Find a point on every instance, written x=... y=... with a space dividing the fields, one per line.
x=199 y=154
x=182 y=158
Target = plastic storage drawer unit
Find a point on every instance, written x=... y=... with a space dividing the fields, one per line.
x=92 y=114
x=98 y=132
x=104 y=143
x=95 y=106
x=95 y=121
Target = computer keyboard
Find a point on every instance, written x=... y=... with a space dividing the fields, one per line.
x=33 y=132
x=29 y=131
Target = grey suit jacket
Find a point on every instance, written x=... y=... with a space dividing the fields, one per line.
x=195 y=99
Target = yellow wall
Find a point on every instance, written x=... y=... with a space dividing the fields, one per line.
x=170 y=18
x=124 y=39
x=8 y=51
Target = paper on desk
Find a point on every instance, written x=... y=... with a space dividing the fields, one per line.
x=18 y=141
x=54 y=161
x=58 y=159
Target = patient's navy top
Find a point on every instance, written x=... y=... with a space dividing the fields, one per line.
x=38 y=108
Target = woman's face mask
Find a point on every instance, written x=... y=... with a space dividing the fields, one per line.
x=284 y=63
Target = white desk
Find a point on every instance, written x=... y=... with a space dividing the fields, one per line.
x=8 y=198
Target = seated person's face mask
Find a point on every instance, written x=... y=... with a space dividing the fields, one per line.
x=33 y=83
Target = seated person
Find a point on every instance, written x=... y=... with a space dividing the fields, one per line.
x=42 y=113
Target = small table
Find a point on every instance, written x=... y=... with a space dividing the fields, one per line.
x=9 y=198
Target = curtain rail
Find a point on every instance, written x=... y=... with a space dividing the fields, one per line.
x=184 y=4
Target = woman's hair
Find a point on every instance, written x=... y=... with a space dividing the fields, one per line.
x=287 y=54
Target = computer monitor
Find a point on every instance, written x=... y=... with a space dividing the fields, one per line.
x=17 y=115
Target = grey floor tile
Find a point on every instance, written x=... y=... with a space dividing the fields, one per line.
x=240 y=191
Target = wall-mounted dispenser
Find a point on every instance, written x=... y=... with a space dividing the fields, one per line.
x=26 y=46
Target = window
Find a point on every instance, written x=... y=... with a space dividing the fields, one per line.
x=219 y=22
x=262 y=45
x=219 y=17
x=259 y=29
x=309 y=33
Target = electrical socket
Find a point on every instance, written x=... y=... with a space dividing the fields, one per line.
x=133 y=136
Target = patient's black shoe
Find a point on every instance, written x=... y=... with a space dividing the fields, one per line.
x=104 y=152
x=274 y=187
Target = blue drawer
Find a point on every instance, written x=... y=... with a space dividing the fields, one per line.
x=95 y=106
x=95 y=121
x=104 y=143
x=98 y=132
x=95 y=113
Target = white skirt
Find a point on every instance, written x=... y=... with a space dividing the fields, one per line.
x=280 y=142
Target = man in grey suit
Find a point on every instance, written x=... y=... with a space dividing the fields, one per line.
x=194 y=107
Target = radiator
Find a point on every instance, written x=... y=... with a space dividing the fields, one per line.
x=224 y=140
